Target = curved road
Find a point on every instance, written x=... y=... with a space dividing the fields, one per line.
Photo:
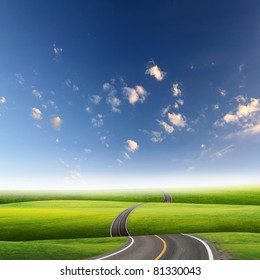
x=157 y=247
x=167 y=197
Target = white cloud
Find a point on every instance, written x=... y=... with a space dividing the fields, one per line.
x=177 y=119
x=36 y=114
x=243 y=111
x=2 y=100
x=95 y=99
x=107 y=86
x=20 y=79
x=168 y=128
x=68 y=83
x=126 y=156
x=75 y=88
x=156 y=72
x=98 y=121
x=137 y=94
x=221 y=153
x=37 y=93
x=114 y=102
x=132 y=146
x=87 y=150
x=241 y=67
x=215 y=107
x=57 y=51
x=53 y=104
x=230 y=118
x=203 y=146
x=222 y=92
x=176 y=90
x=56 y=122
x=240 y=98
x=88 y=109
x=119 y=161
x=180 y=101
x=156 y=137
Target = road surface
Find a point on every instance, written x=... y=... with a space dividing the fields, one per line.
x=167 y=197
x=157 y=247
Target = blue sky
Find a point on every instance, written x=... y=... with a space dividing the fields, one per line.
x=108 y=94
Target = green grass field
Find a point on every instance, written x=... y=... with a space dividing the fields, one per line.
x=40 y=220
x=119 y=195
x=61 y=249
x=238 y=245
x=243 y=195
x=75 y=225
x=160 y=218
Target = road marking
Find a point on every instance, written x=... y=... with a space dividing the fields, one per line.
x=120 y=251
x=210 y=254
x=111 y=227
x=164 y=248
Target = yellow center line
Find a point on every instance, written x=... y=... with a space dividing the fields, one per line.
x=164 y=248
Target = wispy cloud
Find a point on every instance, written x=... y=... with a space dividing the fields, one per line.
x=87 y=150
x=95 y=99
x=221 y=153
x=222 y=92
x=98 y=121
x=36 y=114
x=176 y=90
x=114 y=102
x=107 y=86
x=155 y=136
x=165 y=110
x=37 y=93
x=57 y=51
x=168 y=128
x=136 y=94
x=119 y=161
x=75 y=88
x=19 y=79
x=215 y=107
x=69 y=84
x=241 y=67
x=56 y=122
x=155 y=71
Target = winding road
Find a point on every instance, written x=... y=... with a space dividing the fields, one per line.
x=157 y=247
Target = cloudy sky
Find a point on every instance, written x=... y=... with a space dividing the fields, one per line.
x=108 y=94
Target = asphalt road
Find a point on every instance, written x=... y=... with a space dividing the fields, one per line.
x=167 y=197
x=162 y=247
x=157 y=247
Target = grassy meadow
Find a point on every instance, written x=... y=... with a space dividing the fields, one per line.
x=159 y=218
x=101 y=195
x=58 y=249
x=39 y=220
x=76 y=225
x=238 y=245
x=243 y=195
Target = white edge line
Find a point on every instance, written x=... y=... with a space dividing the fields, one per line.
x=210 y=254
x=126 y=221
x=120 y=251
x=110 y=231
